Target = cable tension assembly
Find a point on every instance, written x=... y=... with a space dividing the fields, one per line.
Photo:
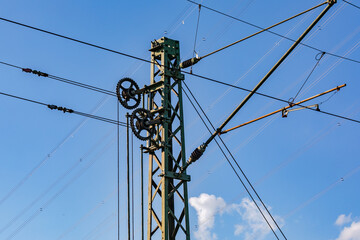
x=198 y=152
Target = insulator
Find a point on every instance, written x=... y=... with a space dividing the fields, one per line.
x=189 y=62
x=196 y=154
x=63 y=109
x=28 y=70
x=52 y=107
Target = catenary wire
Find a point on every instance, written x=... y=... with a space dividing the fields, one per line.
x=132 y=187
x=148 y=61
x=75 y=40
x=231 y=165
x=262 y=30
x=75 y=112
x=55 y=183
x=277 y=34
x=98 y=228
x=351 y=4
x=118 y=168
x=64 y=80
x=87 y=215
x=307 y=78
x=44 y=160
x=274 y=98
x=228 y=150
x=57 y=194
x=208 y=79
x=196 y=33
x=48 y=156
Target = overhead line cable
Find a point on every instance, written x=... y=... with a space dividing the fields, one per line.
x=242 y=172
x=192 y=74
x=148 y=61
x=118 y=169
x=196 y=33
x=57 y=194
x=311 y=72
x=42 y=162
x=87 y=214
x=231 y=165
x=274 y=98
x=132 y=188
x=67 y=110
x=262 y=30
x=99 y=226
x=277 y=34
x=351 y=4
x=61 y=79
x=56 y=182
x=75 y=40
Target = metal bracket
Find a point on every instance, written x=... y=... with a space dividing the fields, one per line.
x=180 y=176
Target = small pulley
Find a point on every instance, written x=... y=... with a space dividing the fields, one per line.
x=142 y=124
x=126 y=92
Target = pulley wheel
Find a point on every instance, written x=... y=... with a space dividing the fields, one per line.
x=139 y=122
x=125 y=92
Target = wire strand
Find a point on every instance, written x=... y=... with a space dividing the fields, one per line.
x=196 y=33
x=271 y=97
x=274 y=33
x=192 y=74
x=73 y=39
x=262 y=30
x=316 y=64
x=75 y=112
x=228 y=160
x=118 y=169
x=148 y=61
x=237 y=164
x=351 y=4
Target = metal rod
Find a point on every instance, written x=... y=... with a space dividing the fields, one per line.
x=128 y=173
x=330 y=4
x=142 y=189
x=263 y=30
x=285 y=108
x=118 y=171
x=132 y=187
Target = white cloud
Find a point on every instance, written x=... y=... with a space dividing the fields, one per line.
x=350 y=233
x=238 y=229
x=343 y=219
x=253 y=225
x=206 y=206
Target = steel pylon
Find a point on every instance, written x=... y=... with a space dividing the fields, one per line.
x=168 y=214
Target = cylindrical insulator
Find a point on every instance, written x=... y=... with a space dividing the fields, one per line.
x=196 y=154
x=189 y=62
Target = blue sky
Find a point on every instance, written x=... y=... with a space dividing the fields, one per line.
x=58 y=171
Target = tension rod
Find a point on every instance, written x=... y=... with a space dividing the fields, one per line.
x=285 y=108
x=197 y=153
x=194 y=60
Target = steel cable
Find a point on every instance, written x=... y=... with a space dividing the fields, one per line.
x=231 y=165
x=242 y=172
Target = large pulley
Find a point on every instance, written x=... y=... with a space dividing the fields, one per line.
x=126 y=92
x=142 y=124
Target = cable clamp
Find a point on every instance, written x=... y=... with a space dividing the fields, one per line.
x=63 y=109
x=284 y=113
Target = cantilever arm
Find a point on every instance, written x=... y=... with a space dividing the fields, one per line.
x=194 y=60
x=285 y=108
x=199 y=151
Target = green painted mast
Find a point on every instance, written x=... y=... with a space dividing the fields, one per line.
x=168 y=213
